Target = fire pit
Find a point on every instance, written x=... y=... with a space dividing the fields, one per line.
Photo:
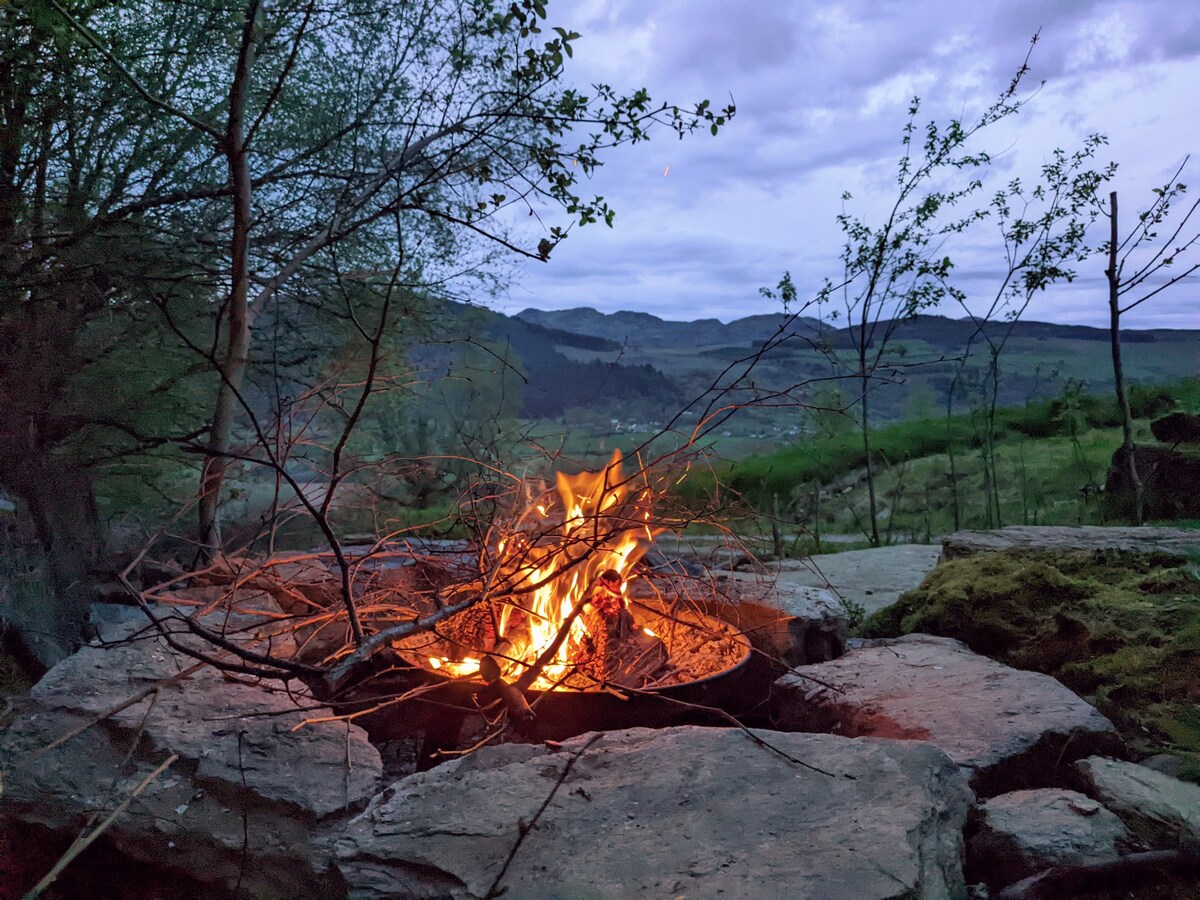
x=564 y=628
x=711 y=665
x=543 y=626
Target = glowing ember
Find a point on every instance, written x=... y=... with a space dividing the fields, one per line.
x=456 y=667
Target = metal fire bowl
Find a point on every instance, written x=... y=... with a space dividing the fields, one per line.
x=566 y=713
x=563 y=714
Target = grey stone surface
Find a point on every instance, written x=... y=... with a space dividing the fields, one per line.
x=676 y=812
x=1167 y=764
x=1007 y=728
x=250 y=784
x=1024 y=832
x=796 y=625
x=873 y=578
x=1162 y=810
x=1145 y=539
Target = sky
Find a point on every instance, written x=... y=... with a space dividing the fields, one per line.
x=822 y=91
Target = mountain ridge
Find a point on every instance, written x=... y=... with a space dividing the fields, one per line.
x=628 y=326
x=638 y=328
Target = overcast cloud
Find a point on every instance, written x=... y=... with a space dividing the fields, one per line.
x=821 y=92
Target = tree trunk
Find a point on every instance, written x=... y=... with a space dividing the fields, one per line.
x=954 y=501
x=62 y=506
x=993 y=400
x=1114 y=331
x=776 y=533
x=866 y=439
x=817 y=516
x=233 y=371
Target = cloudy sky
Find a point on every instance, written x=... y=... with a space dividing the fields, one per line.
x=821 y=90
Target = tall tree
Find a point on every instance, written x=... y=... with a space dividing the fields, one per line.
x=81 y=164
x=220 y=162
x=436 y=120
x=895 y=269
x=1157 y=263
x=1043 y=232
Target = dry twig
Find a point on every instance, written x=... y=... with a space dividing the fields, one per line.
x=82 y=842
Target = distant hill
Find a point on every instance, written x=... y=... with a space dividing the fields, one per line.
x=636 y=330
x=635 y=366
x=1040 y=359
x=954 y=333
x=549 y=380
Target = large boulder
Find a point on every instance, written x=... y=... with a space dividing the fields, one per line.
x=674 y=812
x=1025 y=832
x=1177 y=542
x=1008 y=729
x=251 y=781
x=1162 y=810
x=1170 y=482
x=1177 y=428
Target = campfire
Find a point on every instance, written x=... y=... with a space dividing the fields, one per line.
x=565 y=607
x=552 y=609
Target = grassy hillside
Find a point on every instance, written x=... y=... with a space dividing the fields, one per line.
x=1051 y=459
x=923 y=357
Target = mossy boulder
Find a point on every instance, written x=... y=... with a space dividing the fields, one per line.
x=1121 y=629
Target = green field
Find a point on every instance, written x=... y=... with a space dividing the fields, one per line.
x=1051 y=459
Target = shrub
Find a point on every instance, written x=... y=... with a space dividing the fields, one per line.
x=1151 y=401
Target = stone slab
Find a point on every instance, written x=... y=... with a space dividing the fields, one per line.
x=1009 y=729
x=684 y=811
x=1025 y=832
x=1163 y=810
x=1145 y=539
x=873 y=578
x=239 y=805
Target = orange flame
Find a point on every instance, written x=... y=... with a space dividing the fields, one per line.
x=549 y=568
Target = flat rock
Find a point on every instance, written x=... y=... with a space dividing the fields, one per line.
x=250 y=785
x=1162 y=810
x=674 y=812
x=1144 y=539
x=1024 y=832
x=873 y=578
x=1008 y=729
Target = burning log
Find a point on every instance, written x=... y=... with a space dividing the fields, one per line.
x=616 y=650
x=519 y=710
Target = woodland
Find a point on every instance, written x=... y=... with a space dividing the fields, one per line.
x=229 y=235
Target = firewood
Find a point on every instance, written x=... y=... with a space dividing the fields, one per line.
x=519 y=710
x=530 y=675
x=616 y=650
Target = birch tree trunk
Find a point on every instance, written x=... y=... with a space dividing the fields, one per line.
x=233 y=368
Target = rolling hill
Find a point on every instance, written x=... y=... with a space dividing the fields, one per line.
x=926 y=355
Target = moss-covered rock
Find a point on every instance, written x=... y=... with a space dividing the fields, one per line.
x=1122 y=629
